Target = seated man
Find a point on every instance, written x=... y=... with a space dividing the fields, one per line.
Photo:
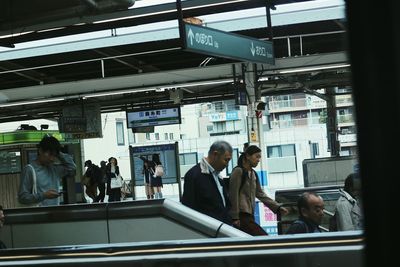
x=311 y=212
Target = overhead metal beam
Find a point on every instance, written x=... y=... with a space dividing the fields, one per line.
x=130 y=17
x=177 y=78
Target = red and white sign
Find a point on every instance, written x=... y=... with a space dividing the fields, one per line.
x=259 y=114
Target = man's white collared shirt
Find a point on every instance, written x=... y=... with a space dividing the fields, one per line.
x=216 y=176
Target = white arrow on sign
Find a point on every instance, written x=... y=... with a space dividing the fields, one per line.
x=252 y=49
x=191 y=36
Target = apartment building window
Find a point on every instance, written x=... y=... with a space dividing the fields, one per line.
x=230 y=126
x=281 y=151
x=147 y=136
x=231 y=105
x=285 y=120
x=166 y=136
x=220 y=127
x=131 y=137
x=157 y=136
x=171 y=136
x=219 y=106
x=120 y=133
x=188 y=158
x=282 y=158
x=314 y=150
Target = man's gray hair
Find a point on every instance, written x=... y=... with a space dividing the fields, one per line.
x=221 y=147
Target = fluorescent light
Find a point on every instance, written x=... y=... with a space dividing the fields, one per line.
x=12 y=104
x=52 y=29
x=15 y=34
x=118 y=92
x=202 y=83
x=313 y=68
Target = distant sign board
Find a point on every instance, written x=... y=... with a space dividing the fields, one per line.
x=224 y=116
x=214 y=42
x=167 y=155
x=153 y=117
x=10 y=161
x=72 y=124
x=81 y=121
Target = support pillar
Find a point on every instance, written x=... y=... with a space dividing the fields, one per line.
x=254 y=116
x=331 y=123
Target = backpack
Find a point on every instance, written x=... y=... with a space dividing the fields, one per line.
x=158 y=171
x=242 y=181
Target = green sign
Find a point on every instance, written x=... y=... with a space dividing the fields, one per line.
x=218 y=43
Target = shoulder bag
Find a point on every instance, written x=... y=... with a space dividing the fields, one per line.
x=116 y=182
x=34 y=189
x=159 y=171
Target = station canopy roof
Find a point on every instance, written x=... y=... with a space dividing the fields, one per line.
x=124 y=69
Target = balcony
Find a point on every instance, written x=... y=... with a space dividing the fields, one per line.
x=345 y=120
x=296 y=104
x=282 y=164
x=344 y=101
x=278 y=124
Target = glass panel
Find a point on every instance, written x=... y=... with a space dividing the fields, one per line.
x=288 y=150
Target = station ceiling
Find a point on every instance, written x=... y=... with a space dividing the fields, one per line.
x=147 y=73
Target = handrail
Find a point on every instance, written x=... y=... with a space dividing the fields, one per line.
x=217 y=252
x=100 y=223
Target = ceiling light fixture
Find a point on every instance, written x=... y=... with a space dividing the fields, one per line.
x=156 y=88
x=317 y=68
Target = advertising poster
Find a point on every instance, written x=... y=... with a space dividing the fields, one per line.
x=265 y=217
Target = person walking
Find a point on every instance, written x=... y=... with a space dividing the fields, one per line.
x=101 y=183
x=94 y=174
x=244 y=188
x=204 y=189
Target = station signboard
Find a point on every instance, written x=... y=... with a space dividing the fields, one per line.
x=214 y=42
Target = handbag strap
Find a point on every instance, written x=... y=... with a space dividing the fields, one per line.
x=34 y=185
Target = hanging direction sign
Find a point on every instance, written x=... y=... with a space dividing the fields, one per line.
x=213 y=42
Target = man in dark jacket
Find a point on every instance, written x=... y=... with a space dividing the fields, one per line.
x=204 y=190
